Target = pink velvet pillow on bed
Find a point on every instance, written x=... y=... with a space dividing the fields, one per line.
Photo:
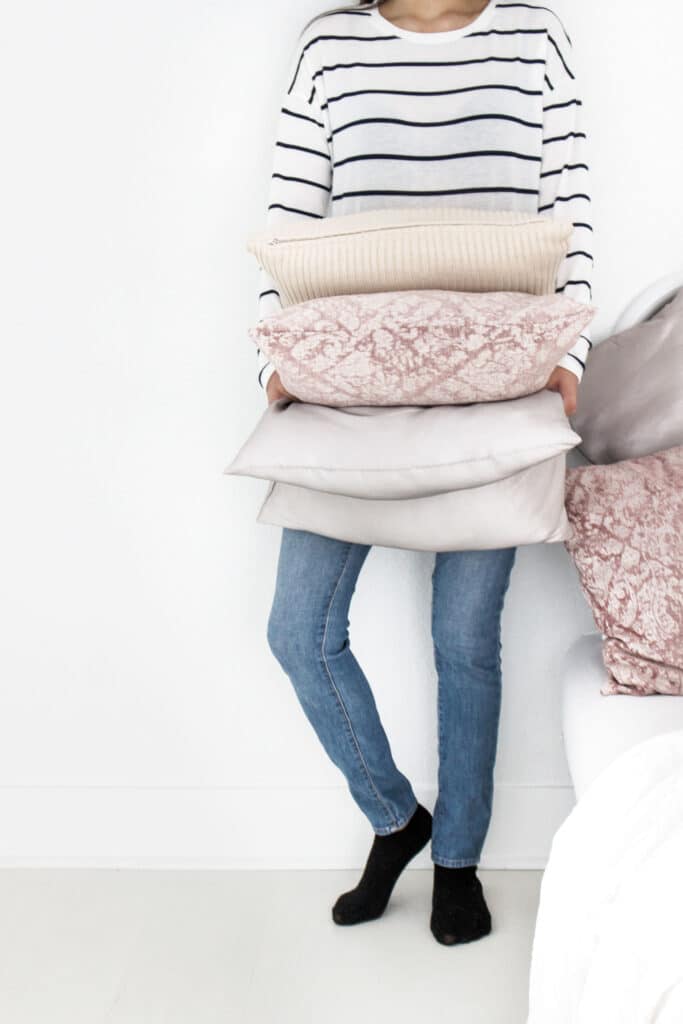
x=626 y=538
x=420 y=347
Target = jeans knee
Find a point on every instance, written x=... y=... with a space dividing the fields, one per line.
x=479 y=651
x=293 y=644
x=296 y=644
x=280 y=638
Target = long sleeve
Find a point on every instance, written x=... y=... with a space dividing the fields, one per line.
x=301 y=180
x=564 y=190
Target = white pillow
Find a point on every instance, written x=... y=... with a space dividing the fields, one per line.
x=403 y=451
x=524 y=508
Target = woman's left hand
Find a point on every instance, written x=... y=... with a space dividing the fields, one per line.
x=567 y=383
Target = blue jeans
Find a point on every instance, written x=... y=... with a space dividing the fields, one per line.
x=308 y=634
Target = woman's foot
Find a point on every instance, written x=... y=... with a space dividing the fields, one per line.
x=459 y=910
x=388 y=856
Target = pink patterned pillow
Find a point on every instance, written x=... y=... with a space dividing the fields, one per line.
x=626 y=539
x=420 y=347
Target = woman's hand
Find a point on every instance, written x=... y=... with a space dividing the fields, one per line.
x=275 y=389
x=567 y=383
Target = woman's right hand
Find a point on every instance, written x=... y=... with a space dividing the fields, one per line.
x=275 y=389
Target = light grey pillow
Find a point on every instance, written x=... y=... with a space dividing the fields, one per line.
x=630 y=402
x=406 y=451
x=526 y=507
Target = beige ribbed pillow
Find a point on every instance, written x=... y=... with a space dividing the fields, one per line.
x=399 y=248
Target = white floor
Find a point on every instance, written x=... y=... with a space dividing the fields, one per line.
x=160 y=947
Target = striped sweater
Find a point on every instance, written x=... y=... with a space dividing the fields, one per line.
x=489 y=116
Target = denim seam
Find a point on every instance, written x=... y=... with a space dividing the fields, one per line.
x=439 y=692
x=497 y=668
x=450 y=862
x=385 y=830
x=339 y=697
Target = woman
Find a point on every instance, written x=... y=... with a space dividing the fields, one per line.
x=470 y=103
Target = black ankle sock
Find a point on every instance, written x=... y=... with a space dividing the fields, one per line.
x=388 y=856
x=459 y=910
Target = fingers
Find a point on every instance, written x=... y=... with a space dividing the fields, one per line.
x=568 y=392
x=566 y=383
x=275 y=389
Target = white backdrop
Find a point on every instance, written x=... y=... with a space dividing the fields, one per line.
x=143 y=717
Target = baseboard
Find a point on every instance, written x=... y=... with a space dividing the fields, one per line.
x=242 y=827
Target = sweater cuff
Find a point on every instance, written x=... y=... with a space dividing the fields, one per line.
x=570 y=362
x=265 y=373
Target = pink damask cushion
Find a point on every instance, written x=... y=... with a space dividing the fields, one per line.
x=420 y=347
x=626 y=538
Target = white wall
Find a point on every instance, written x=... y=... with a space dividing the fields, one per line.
x=144 y=719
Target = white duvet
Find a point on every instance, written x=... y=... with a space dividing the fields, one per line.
x=608 y=944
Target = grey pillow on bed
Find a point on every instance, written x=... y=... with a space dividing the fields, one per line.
x=630 y=402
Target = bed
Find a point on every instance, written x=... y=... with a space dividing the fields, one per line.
x=606 y=947
x=595 y=728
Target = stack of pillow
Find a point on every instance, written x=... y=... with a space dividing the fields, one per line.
x=626 y=510
x=418 y=342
